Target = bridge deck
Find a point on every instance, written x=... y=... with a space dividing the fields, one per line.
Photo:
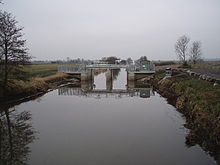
x=106 y=66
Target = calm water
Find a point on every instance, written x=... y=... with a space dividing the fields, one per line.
x=73 y=126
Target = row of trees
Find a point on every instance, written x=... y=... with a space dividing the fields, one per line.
x=194 y=52
x=13 y=51
x=114 y=60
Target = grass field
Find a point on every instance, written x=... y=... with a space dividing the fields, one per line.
x=34 y=70
x=40 y=70
x=29 y=71
x=203 y=65
x=207 y=65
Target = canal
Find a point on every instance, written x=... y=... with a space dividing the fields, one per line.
x=89 y=125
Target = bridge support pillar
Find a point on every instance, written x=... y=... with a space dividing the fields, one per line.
x=109 y=79
x=87 y=85
x=87 y=75
x=131 y=76
x=109 y=75
x=130 y=84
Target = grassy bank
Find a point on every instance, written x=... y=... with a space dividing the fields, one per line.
x=199 y=101
x=198 y=92
x=17 y=89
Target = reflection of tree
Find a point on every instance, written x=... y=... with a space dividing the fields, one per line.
x=109 y=85
x=16 y=132
x=115 y=73
x=99 y=71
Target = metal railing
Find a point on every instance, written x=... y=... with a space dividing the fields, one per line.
x=91 y=66
x=71 y=69
x=150 y=67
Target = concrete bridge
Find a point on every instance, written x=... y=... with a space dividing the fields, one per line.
x=85 y=72
x=84 y=68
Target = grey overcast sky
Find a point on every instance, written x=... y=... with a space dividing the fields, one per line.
x=91 y=29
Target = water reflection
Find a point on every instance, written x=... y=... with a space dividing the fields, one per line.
x=87 y=89
x=16 y=132
x=111 y=75
x=201 y=133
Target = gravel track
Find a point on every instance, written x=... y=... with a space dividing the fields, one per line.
x=210 y=72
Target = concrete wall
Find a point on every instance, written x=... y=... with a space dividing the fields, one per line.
x=87 y=76
x=108 y=75
x=131 y=76
x=87 y=85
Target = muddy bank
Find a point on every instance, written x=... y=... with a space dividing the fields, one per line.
x=199 y=102
x=17 y=89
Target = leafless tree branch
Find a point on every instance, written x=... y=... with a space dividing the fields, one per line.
x=181 y=48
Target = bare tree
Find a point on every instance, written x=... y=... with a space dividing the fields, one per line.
x=181 y=48
x=13 y=51
x=195 y=52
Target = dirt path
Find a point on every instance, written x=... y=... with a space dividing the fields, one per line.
x=209 y=72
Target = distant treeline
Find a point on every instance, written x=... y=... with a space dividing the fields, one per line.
x=161 y=63
x=61 y=61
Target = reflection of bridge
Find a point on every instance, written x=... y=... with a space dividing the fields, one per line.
x=117 y=93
